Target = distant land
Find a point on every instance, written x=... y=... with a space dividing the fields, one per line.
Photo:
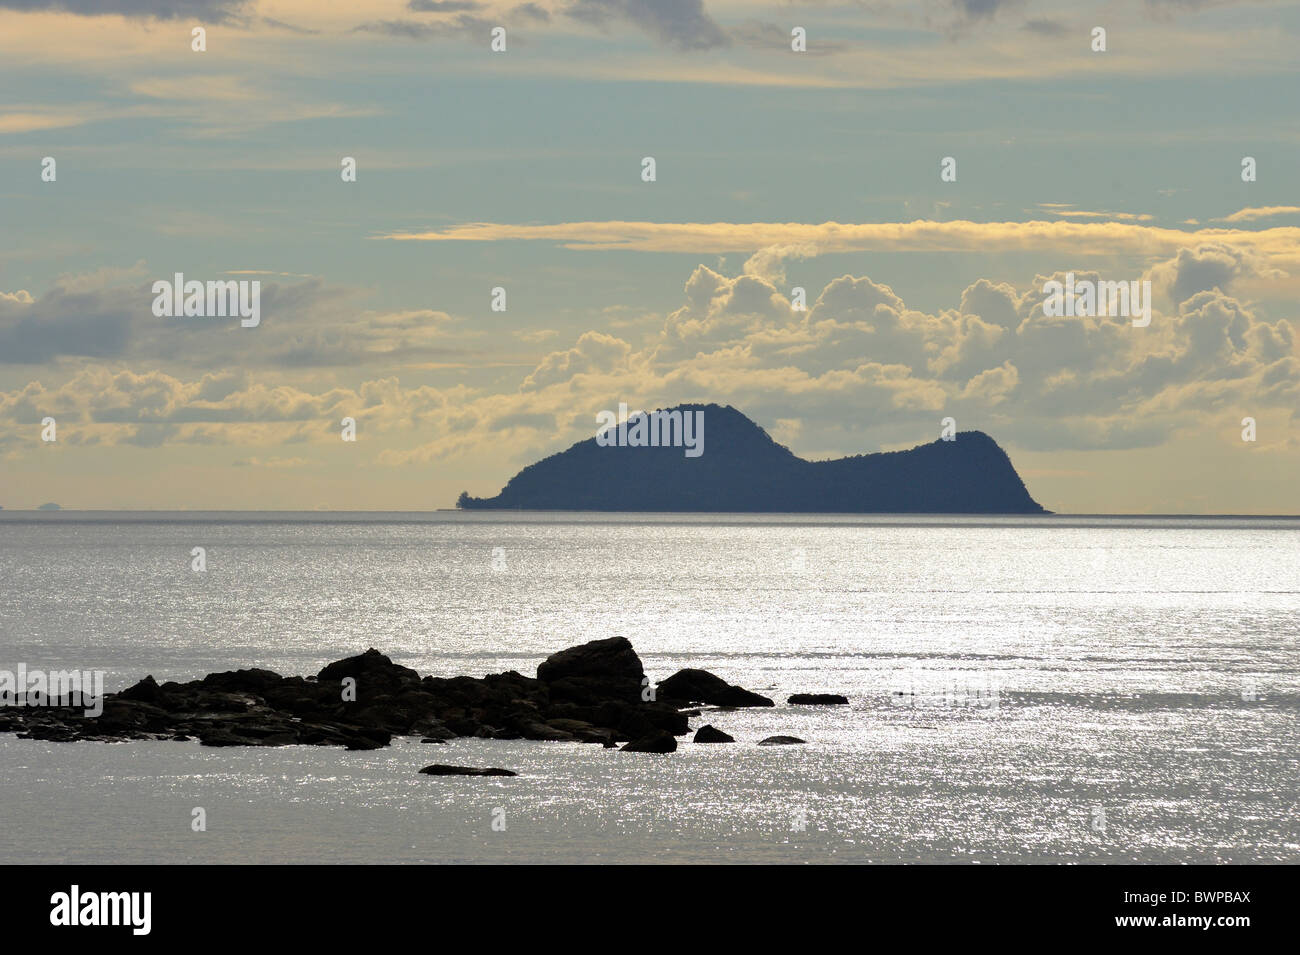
x=742 y=469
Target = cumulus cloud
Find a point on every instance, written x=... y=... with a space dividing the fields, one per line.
x=859 y=369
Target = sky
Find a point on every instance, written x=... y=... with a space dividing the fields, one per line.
x=523 y=169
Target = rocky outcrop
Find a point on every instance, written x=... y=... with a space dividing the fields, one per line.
x=710 y=734
x=590 y=693
x=817 y=699
x=781 y=741
x=701 y=686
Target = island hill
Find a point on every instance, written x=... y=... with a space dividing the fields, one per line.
x=741 y=469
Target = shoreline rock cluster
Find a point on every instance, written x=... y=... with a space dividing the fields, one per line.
x=597 y=692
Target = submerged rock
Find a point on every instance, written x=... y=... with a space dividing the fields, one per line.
x=701 y=686
x=438 y=769
x=781 y=741
x=709 y=734
x=817 y=699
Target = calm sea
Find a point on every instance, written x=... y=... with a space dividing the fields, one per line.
x=1023 y=689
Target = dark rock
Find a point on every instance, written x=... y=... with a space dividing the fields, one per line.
x=660 y=742
x=241 y=681
x=709 y=734
x=701 y=686
x=433 y=739
x=581 y=730
x=217 y=737
x=781 y=741
x=370 y=669
x=437 y=769
x=146 y=691
x=51 y=732
x=594 y=672
x=591 y=693
x=817 y=699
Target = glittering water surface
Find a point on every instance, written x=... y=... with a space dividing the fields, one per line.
x=1044 y=689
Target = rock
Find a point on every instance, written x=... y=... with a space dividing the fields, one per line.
x=216 y=737
x=51 y=732
x=591 y=693
x=701 y=686
x=146 y=691
x=582 y=731
x=542 y=731
x=781 y=741
x=594 y=672
x=708 y=734
x=241 y=681
x=433 y=739
x=438 y=769
x=370 y=669
x=659 y=742
x=817 y=699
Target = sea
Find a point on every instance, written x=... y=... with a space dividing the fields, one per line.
x=1047 y=689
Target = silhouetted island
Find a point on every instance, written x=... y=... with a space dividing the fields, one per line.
x=742 y=469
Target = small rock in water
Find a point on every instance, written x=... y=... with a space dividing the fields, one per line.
x=660 y=742
x=433 y=739
x=818 y=699
x=781 y=741
x=438 y=769
x=709 y=734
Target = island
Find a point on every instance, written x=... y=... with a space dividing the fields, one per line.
x=740 y=468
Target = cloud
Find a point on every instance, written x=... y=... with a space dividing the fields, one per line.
x=1209 y=266
x=67 y=321
x=1280 y=245
x=681 y=24
x=463 y=24
x=443 y=6
x=309 y=324
x=860 y=369
x=211 y=11
x=594 y=352
x=1251 y=213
